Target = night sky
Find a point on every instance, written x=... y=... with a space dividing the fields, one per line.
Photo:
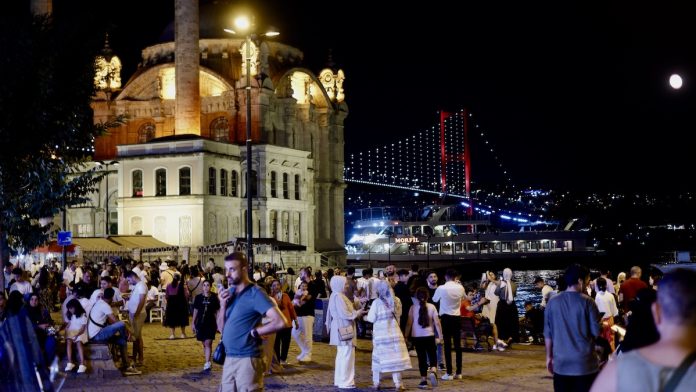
x=573 y=94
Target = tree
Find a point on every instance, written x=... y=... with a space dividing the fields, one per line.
x=46 y=124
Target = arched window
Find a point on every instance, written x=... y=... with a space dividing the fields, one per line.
x=137 y=183
x=185 y=181
x=146 y=132
x=223 y=182
x=212 y=180
x=273 y=223
x=285 y=186
x=233 y=183
x=220 y=130
x=274 y=184
x=161 y=182
x=297 y=187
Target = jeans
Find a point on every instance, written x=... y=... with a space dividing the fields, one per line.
x=108 y=334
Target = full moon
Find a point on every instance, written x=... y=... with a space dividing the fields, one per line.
x=675 y=81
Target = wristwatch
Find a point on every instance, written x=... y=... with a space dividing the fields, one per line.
x=255 y=334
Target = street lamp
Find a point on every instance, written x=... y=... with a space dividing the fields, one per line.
x=106 y=165
x=244 y=25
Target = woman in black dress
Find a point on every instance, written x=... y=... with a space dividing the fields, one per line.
x=176 y=313
x=205 y=310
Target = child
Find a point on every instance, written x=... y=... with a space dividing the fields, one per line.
x=301 y=295
x=76 y=331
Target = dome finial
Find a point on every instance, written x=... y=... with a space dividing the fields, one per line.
x=107 y=53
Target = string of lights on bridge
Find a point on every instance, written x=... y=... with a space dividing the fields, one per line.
x=413 y=163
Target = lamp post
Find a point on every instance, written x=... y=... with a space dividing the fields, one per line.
x=106 y=165
x=244 y=25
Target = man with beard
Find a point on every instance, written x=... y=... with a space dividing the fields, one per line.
x=244 y=304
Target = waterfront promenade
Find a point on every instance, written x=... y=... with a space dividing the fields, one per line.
x=172 y=365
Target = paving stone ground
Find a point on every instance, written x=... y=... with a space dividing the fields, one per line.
x=173 y=365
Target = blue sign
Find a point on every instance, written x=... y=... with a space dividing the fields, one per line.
x=64 y=238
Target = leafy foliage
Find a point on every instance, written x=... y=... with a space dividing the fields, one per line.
x=46 y=124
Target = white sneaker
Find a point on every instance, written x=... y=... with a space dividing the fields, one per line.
x=501 y=343
x=448 y=377
x=82 y=369
x=70 y=366
x=171 y=337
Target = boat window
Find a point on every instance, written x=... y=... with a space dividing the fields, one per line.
x=427 y=230
x=399 y=230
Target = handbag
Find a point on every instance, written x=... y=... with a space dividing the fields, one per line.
x=219 y=354
x=346 y=333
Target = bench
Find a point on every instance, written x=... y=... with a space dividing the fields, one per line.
x=100 y=362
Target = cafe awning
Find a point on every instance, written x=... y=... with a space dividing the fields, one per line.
x=142 y=242
x=93 y=244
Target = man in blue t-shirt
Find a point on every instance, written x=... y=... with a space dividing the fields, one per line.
x=244 y=304
x=571 y=324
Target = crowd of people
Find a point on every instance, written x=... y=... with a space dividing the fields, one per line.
x=406 y=313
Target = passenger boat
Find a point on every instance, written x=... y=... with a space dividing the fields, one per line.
x=449 y=233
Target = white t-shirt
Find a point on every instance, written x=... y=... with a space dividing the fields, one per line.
x=152 y=294
x=76 y=323
x=68 y=276
x=86 y=304
x=99 y=313
x=139 y=289
x=416 y=330
x=23 y=287
x=450 y=297
x=607 y=304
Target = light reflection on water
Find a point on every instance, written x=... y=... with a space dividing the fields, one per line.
x=526 y=291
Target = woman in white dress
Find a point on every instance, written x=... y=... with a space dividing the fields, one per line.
x=490 y=306
x=389 y=353
x=340 y=313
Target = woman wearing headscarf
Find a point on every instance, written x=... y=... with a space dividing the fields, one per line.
x=389 y=353
x=340 y=313
x=507 y=317
x=21 y=351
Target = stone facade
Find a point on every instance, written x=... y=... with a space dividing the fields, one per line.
x=297 y=131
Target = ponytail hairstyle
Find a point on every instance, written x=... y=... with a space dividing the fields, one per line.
x=422 y=296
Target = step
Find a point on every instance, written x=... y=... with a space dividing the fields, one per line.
x=100 y=363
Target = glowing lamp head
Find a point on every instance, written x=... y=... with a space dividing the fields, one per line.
x=242 y=23
x=675 y=81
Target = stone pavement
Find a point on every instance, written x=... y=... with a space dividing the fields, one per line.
x=173 y=365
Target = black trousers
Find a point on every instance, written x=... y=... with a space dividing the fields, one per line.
x=282 y=344
x=563 y=383
x=452 y=332
x=427 y=352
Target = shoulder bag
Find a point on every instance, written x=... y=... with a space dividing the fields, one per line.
x=680 y=373
x=219 y=354
x=346 y=333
